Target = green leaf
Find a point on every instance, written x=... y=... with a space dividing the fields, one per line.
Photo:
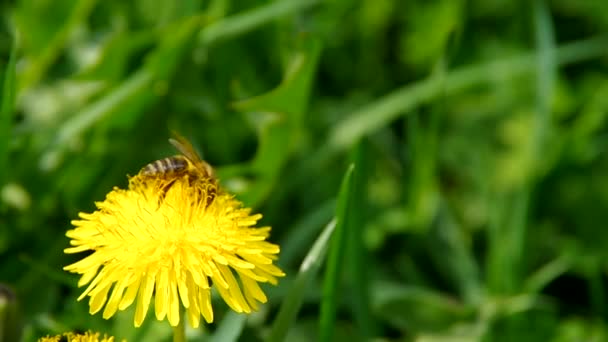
x=308 y=270
x=278 y=116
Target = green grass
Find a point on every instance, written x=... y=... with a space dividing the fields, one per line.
x=433 y=171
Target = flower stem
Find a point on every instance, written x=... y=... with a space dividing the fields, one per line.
x=179 y=331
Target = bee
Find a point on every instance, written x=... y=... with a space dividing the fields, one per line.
x=188 y=163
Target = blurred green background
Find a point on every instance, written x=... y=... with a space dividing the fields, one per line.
x=477 y=206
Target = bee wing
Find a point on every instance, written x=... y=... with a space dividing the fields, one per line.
x=186 y=148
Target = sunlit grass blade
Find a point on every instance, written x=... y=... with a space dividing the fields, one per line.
x=546 y=62
x=230 y=328
x=506 y=231
x=546 y=75
x=510 y=226
x=537 y=281
x=308 y=270
x=546 y=66
x=7 y=109
x=331 y=283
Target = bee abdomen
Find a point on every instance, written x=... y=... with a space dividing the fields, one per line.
x=165 y=166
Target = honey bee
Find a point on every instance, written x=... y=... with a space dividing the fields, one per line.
x=188 y=163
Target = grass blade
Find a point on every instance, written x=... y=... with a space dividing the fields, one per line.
x=244 y=22
x=230 y=328
x=130 y=88
x=40 y=63
x=308 y=270
x=303 y=232
x=331 y=285
x=386 y=109
x=134 y=93
x=7 y=108
x=356 y=253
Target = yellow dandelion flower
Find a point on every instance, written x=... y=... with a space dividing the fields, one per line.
x=72 y=337
x=174 y=239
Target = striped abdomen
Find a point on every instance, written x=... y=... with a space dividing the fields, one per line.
x=165 y=166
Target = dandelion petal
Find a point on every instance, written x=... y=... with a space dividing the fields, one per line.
x=162 y=237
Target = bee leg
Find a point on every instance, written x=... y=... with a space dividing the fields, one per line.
x=163 y=191
x=211 y=193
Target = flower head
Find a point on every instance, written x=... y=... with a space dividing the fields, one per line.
x=173 y=238
x=71 y=337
